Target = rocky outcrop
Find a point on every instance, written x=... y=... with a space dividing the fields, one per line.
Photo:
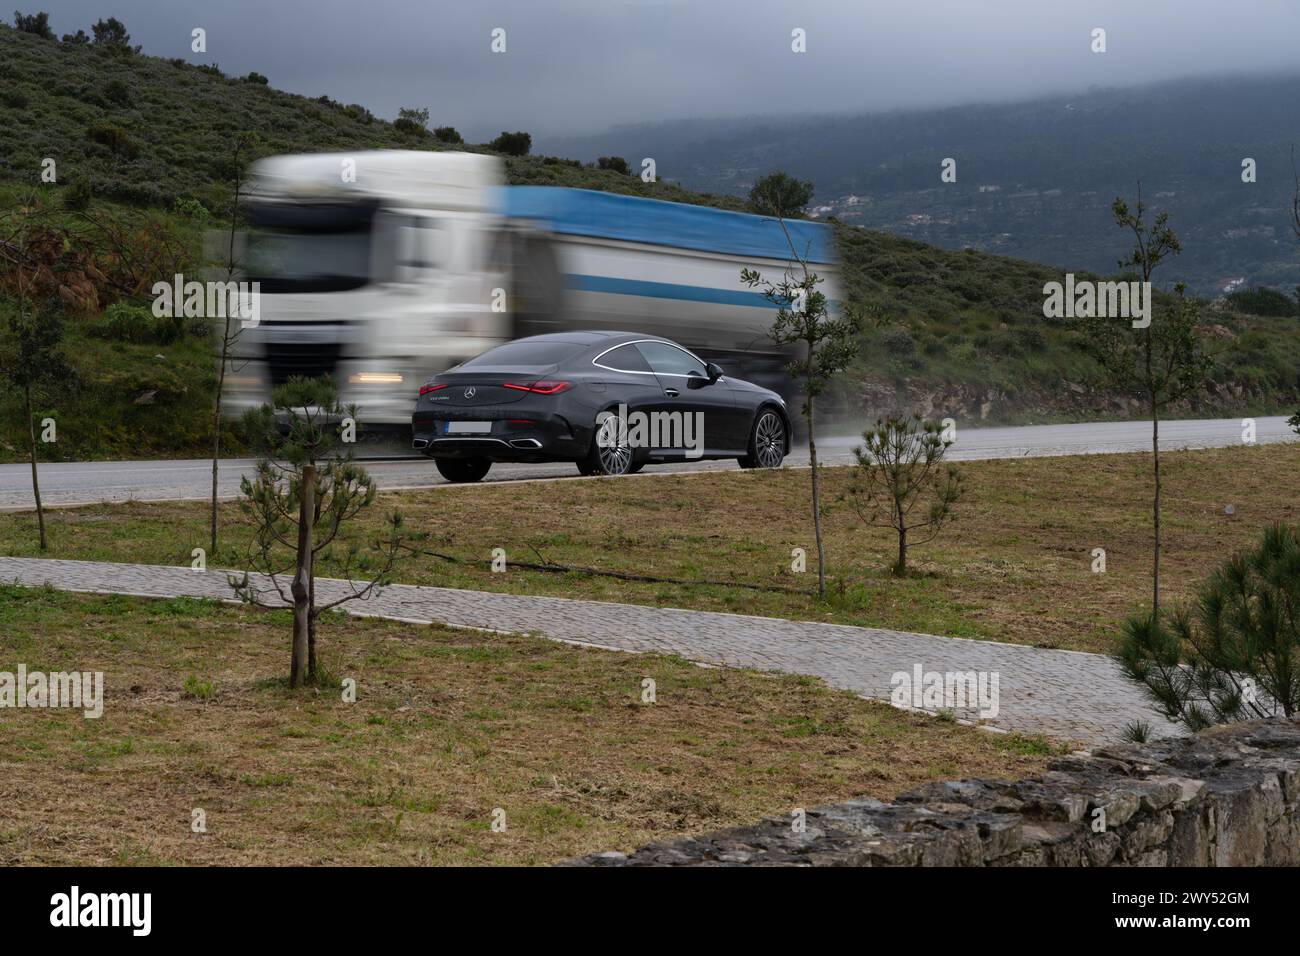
x=1225 y=797
x=1032 y=403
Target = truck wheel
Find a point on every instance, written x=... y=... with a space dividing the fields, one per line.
x=766 y=442
x=463 y=470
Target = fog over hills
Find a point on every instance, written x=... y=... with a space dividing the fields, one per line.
x=1035 y=179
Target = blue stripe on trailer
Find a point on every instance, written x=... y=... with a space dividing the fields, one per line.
x=666 y=290
x=588 y=212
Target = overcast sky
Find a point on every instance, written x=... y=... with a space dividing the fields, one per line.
x=574 y=66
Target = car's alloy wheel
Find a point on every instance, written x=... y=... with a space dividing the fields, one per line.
x=610 y=453
x=463 y=470
x=769 y=440
x=767 y=443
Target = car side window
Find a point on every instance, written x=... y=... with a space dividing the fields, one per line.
x=625 y=358
x=668 y=359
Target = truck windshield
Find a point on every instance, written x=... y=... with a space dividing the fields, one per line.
x=310 y=260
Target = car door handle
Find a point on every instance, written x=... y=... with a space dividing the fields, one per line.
x=670 y=392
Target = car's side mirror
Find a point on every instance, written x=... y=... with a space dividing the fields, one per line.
x=695 y=380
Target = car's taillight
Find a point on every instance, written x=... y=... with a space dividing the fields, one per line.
x=426 y=388
x=544 y=387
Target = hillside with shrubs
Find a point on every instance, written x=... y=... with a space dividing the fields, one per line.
x=963 y=334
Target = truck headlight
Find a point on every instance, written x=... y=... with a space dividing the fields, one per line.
x=375 y=378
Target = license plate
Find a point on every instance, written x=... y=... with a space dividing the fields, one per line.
x=468 y=428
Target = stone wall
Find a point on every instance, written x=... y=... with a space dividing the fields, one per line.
x=1226 y=797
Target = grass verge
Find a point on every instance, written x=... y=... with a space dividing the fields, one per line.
x=1016 y=564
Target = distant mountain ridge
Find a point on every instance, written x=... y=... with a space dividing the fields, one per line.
x=1035 y=179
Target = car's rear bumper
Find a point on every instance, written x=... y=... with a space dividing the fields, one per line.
x=537 y=439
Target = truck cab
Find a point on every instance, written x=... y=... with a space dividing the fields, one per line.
x=374 y=267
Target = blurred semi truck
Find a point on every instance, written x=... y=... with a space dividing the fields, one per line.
x=383 y=268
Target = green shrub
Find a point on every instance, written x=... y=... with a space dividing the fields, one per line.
x=1268 y=302
x=137 y=192
x=115 y=138
x=898 y=342
x=512 y=144
x=37 y=24
x=359 y=113
x=188 y=208
x=125 y=322
x=116 y=92
x=1031 y=338
x=111 y=33
x=412 y=120
x=1231 y=655
x=167 y=329
x=909 y=278
x=1005 y=343
x=78 y=195
x=196 y=689
x=615 y=163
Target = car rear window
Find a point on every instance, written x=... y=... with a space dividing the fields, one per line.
x=625 y=358
x=526 y=353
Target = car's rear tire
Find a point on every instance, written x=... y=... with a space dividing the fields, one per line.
x=767 y=440
x=610 y=452
x=463 y=470
x=585 y=468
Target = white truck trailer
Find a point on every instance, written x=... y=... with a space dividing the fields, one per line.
x=383 y=268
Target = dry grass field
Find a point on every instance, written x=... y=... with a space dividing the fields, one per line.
x=447 y=727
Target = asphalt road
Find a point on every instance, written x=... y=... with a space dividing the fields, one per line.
x=68 y=483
